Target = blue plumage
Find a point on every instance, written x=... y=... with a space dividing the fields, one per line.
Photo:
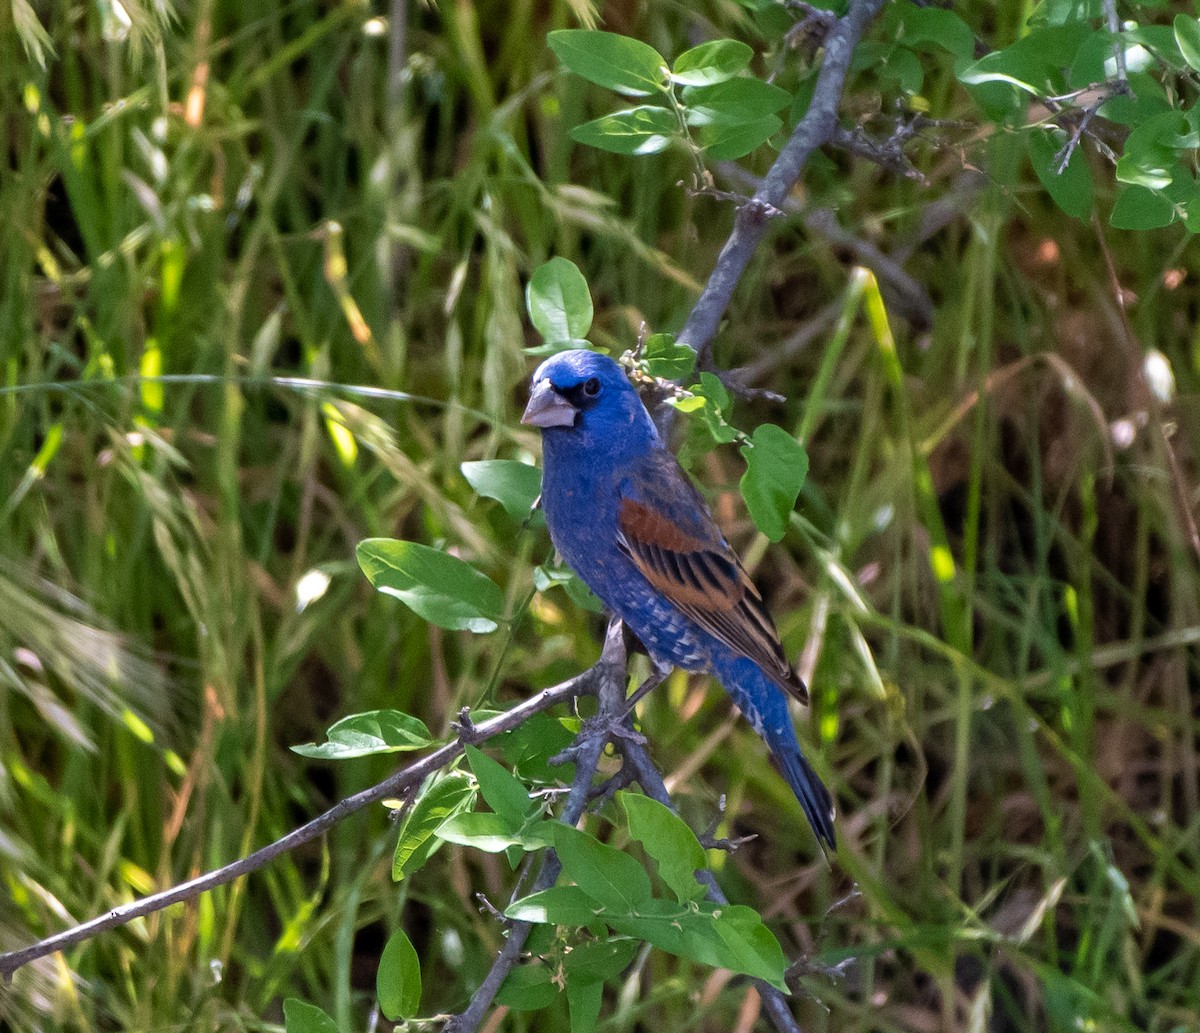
x=627 y=520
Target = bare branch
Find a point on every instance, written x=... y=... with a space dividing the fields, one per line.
x=1113 y=21
x=1080 y=109
x=404 y=781
x=814 y=130
x=902 y=290
x=887 y=153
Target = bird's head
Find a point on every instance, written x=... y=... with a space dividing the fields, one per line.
x=587 y=392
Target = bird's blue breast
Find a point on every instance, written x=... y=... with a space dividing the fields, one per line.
x=580 y=500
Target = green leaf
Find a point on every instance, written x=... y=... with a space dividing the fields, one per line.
x=727 y=142
x=1148 y=99
x=583 y=1004
x=492 y=833
x=925 y=27
x=711 y=62
x=644 y=130
x=624 y=65
x=776 y=465
x=1139 y=208
x=443 y=589
x=664 y=357
x=904 y=68
x=529 y=747
x=375 y=731
x=1147 y=167
x=735 y=102
x=554 y=347
x=613 y=879
x=1151 y=156
x=559 y=303
x=723 y=936
x=559 y=905
x=1187 y=38
x=667 y=838
x=301 y=1017
x=1072 y=189
x=595 y=961
x=398 y=980
x=713 y=414
x=440 y=800
x=1143 y=50
x=1034 y=63
x=688 y=403
x=482 y=830
x=1152 y=46
x=1151 y=153
x=1059 y=12
x=545 y=578
x=515 y=485
x=504 y=792
x=528 y=988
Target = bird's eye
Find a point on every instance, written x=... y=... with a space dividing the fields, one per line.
x=591 y=387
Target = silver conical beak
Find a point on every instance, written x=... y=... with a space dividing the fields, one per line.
x=547 y=408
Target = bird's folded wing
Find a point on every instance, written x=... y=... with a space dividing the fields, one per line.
x=702 y=577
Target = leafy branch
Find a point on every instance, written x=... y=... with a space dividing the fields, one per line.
x=710 y=90
x=403 y=782
x=817 y=128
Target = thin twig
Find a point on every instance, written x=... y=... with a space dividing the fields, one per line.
x=468 y=1021
x=1114 y=26
x=901 y=289
x=405 y=780
x=887 y=153
x=711 y=841
x=814 y=130
x=1097 y=96
x=611 y=724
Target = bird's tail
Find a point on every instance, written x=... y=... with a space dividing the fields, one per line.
x=765 y=706
x=808 y=787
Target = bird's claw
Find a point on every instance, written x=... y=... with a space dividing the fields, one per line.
x=601 y=729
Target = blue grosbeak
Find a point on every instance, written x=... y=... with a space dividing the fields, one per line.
x=627 y=520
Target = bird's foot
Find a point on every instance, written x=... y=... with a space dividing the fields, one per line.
x=596 y=733
x=623 y=778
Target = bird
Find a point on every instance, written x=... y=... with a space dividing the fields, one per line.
x=627 y=519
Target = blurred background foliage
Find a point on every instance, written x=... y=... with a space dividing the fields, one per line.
x=261 y=274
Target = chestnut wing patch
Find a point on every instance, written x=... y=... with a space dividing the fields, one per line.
x=707 y=583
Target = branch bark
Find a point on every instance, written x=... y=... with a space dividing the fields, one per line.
x=814 y=130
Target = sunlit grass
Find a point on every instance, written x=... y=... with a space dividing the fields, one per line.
x=258 y=301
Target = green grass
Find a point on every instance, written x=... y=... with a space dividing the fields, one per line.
x=1002 y=626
